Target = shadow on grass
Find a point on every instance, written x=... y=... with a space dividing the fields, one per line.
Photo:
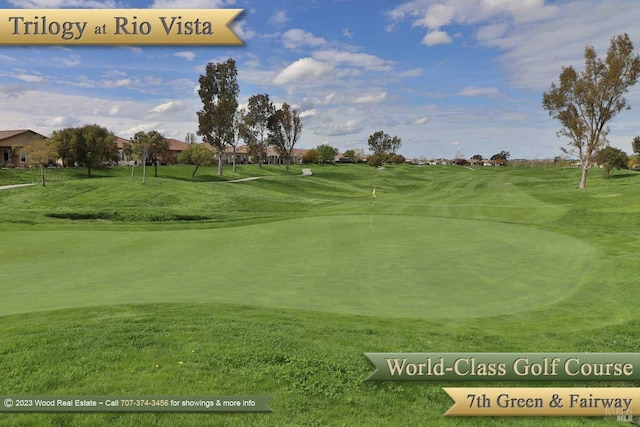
x=630 y=174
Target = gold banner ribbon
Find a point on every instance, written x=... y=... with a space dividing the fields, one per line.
x=560 y=401
x=117 y=27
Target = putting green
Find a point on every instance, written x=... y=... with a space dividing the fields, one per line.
x=401 y=266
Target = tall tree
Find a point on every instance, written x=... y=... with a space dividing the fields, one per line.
x=635 y=145
x=239 y=132
x=219 y=94
x=149 y=146
x=327 y=153
x=383 y=144
x=40 y=152
x=190 y=138
x=585 y=102
x=284 y=130
x=259 y=110
x=89 y=144
x=198 y=155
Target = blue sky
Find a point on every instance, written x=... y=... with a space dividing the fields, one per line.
x=446 y=76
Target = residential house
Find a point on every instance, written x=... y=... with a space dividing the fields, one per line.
x=175 y=148
x=272 y=157
x=11 y=144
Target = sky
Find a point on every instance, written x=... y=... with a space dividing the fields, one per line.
x=449 y=77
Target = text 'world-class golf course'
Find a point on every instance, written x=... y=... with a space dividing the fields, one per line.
x=393 y=266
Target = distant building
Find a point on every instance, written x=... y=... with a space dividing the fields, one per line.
x=12 y=143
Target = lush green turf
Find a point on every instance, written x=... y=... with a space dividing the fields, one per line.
x=278 y=286
x=432 y=267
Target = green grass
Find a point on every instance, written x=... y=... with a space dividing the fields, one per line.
x=278 y=286
x=433 y=267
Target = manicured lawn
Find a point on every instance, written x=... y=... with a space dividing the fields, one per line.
x=432 y=267
x=278 y=286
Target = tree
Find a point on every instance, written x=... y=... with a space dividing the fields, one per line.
x=612 y=158
x=585 y=102
x=198 y=155
x=90 y=144
x=239 y=131
x=259 y=110
x=382 y=143
x=311 y=156
x=376 y=160
x=219 y=94
x=150 y=146
x=351 y=155
x=477 y=157
x=397 y=159
x=501 y=158
x=190 y=138
x=635 y=145
x=40 y=152
x=327 y=153
x=284 y=130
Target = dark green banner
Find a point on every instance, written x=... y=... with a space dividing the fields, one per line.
x=134 y=403
x=505 y=366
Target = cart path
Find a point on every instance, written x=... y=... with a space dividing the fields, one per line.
x=6 y=187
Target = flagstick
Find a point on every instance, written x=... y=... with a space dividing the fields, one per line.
x=373 y=201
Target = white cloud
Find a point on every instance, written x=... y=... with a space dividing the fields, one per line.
x=520 y=11
x=29 y=78
x=479 y=91
x=135 y=49
x=278 y=18
x=297 y=38
x=116 y=83
x=349 y=127
x=437 y=16
x=114 y=110
x=303 y=70
x=308 y=113
x=369 y=99
x=167 y=107
x=61 y=121
x=145 y=127
x=69 y=61
x=436 y=37
x=239 y=29
x=415 y=72
x=362 y=60
x=188 y=55
x=420 y=121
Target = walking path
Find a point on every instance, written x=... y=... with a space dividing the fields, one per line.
x=6 y=187
x=305 y=172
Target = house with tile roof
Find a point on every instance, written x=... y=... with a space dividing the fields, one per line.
x=11 y=144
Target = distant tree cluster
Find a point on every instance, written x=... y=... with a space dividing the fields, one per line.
x=321 y=154
x=501 y=158
x=384 y=148
x=221 y=124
